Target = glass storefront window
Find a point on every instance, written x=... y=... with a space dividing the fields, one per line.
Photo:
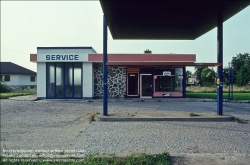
x=167 y=82
x=64 y=80
x=68 y=80
x=178 y=79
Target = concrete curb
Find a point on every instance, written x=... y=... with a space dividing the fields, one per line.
x=183 y=117
x=34 y=97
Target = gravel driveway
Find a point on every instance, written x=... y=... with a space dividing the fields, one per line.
x=64 y=125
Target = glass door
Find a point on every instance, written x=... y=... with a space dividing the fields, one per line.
x=146 y=86
x=64 y=80
x=59 y=80
x=132 y=84
x=50 y=80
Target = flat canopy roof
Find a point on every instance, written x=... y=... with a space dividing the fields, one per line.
x=168 y=19
x=150 y=60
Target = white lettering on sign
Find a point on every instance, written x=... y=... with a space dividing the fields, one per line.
x=62 y=57
x=166 y=73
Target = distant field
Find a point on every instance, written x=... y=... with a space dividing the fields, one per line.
x=197 y=89
x=236 y=96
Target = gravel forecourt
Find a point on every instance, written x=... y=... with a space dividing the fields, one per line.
x=64 y=125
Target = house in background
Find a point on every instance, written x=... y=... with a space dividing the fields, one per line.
x=17 y=77
x=194 y=78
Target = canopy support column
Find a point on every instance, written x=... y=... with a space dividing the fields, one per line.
x=105 y=71
x=220 y=68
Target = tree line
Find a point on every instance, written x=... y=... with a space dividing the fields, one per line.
x=241 y=72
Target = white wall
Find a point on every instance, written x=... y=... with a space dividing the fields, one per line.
x=16 y=79
x=41 y=79
x=25 y=80
x=13 y=80
x=88 y=83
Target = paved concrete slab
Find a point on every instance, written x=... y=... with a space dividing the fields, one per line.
x=64 y=125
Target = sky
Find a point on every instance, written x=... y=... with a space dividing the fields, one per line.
x=26 y=25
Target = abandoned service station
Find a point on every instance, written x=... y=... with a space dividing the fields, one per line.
x=80 y=72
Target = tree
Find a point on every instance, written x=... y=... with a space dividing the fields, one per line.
x=198 y=70
x=208 y=77
x=241 y=69
x=188 y=75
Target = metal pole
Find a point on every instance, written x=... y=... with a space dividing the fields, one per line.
x=184 y=82
x=105 y=59
x=232 y=81
x=229 y=81
x=220 y=68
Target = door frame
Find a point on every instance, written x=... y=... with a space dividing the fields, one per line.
x=141 y=86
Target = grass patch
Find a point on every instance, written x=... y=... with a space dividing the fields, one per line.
x=95 y=159
x=212 y=89
x=193 y=114
x=236 y=96
x=20 y=93
x=238 y=120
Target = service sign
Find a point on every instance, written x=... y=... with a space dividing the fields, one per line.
x=62 y=57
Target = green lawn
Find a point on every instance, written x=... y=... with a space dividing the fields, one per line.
x=236 y=96
x=20 y=93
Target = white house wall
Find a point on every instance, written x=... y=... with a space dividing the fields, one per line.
x=41 y=80
x=13 y=80
x=25 y=80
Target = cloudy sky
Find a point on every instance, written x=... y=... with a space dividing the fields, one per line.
x=26 y=25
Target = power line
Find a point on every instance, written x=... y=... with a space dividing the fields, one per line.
x=14 y=50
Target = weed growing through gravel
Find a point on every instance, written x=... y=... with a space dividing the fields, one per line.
x=91 y=117
x=193 y=114
x=194 y=149
x=238 y=120
x=129 y=114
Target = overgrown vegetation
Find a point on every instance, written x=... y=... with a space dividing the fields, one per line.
x=241 y=72
x=241 y=69
x=4 y=88
x=95 y=159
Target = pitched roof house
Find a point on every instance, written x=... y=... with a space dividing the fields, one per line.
x=16 y=76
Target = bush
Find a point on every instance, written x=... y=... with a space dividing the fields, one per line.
x=4 y=88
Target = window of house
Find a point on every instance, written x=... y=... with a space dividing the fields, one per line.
x=1 y=77
x=32 y=78
x=7 y=78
